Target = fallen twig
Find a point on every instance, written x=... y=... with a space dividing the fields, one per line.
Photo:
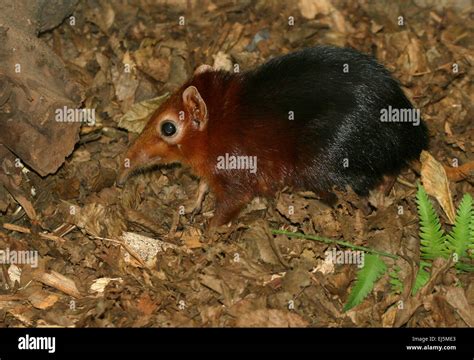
x=25 y=230
x=331 y=241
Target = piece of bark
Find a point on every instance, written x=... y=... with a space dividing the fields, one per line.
x=33 y=85
x=51 y=13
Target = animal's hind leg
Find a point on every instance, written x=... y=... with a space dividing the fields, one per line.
x=362 y=184
x=327 y=197
x=228 y=207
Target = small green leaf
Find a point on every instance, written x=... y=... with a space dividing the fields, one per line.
x=395 y=282
x=373 y=269
x=422 y=277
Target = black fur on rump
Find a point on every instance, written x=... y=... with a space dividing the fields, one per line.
x=337 y=116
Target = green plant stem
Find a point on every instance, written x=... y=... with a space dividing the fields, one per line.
x=331 y=241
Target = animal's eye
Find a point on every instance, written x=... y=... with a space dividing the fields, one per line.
x=168 y=128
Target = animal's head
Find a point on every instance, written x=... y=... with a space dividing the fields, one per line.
x=170 y=132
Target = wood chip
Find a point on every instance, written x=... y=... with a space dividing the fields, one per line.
x=58 y=281
x=43 y=299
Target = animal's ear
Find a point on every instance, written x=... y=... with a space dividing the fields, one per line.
x=195 y=106
x=202 y=68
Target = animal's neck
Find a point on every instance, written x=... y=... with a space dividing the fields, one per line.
x=222 y=93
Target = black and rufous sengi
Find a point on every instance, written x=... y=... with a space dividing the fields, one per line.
x=311 y=118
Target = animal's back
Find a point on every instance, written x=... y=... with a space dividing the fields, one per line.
x=331 y=99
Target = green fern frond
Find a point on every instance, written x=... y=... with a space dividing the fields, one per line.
x=422 y=277
x=458 y=240
x=462 y=266
x=432 y=238
x=373 y=269
x=395 y=282
x=471 y=237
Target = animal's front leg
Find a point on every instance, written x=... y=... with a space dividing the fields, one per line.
x=201 y=193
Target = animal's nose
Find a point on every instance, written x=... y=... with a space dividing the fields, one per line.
x=122 y=177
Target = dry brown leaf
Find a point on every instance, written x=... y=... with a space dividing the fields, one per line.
x=103 y=15
x=43 y=299
x=125 y=82
x=457 y=299
x=16 y=193
x=326 y=222
x=388 y=318
x=210 y=315
x=259 y=243
x=295 y=280
x=151 y=62
x=461 y=172
x=436 y=183
x=293 y=207
x=145 y=247
x=191 y=237
x=412 y=303
x=325 y=266
x=135 y=119
x=23 y=313
x=212 y=283
x=98 y=220
x=146 y=305
x=447 y=128
x=416 y=55
x=311 y=8
x=98 y=285
x=14 y=273
x=270 y=318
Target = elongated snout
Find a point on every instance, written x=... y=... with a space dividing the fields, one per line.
x=123 y=175
x=132 y=161
x=147 y=150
